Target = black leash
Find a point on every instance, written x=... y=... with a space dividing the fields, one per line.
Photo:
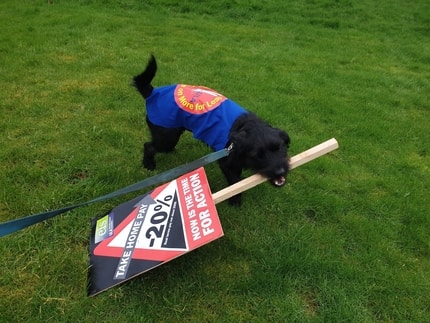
x=21 y=223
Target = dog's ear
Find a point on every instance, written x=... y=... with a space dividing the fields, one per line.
x=284 y=136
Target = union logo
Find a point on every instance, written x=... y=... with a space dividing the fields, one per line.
x=197 y=99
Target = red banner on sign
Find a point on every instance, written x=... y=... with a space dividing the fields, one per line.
x=151 y=230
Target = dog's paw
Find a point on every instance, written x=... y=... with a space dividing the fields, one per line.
x=235 y=200
x=148 y=164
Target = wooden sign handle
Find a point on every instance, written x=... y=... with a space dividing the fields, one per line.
x=295 y=161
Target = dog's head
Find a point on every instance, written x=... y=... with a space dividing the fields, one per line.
x=262 y=148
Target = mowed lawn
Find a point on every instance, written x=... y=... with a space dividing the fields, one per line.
x=347 y=239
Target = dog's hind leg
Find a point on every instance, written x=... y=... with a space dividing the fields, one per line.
x=163 y=140
x=149 y=156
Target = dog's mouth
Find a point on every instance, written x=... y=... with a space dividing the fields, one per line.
x=279 y=181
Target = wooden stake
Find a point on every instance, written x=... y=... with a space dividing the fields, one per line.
x=256 y=179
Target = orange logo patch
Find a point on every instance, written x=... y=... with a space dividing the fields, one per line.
x=197 y=99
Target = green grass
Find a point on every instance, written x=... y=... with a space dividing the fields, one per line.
x=348 y=239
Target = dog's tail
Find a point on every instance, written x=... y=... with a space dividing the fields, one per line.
x=142 y=82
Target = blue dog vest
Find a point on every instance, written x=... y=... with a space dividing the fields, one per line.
x=203 y=111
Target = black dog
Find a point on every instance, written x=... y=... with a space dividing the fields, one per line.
x=217 y=121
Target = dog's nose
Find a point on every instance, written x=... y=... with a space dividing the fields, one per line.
x=280 y=171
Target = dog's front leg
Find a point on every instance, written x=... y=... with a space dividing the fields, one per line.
x=232 y=171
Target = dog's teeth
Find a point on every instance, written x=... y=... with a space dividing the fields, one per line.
x=280 y=181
